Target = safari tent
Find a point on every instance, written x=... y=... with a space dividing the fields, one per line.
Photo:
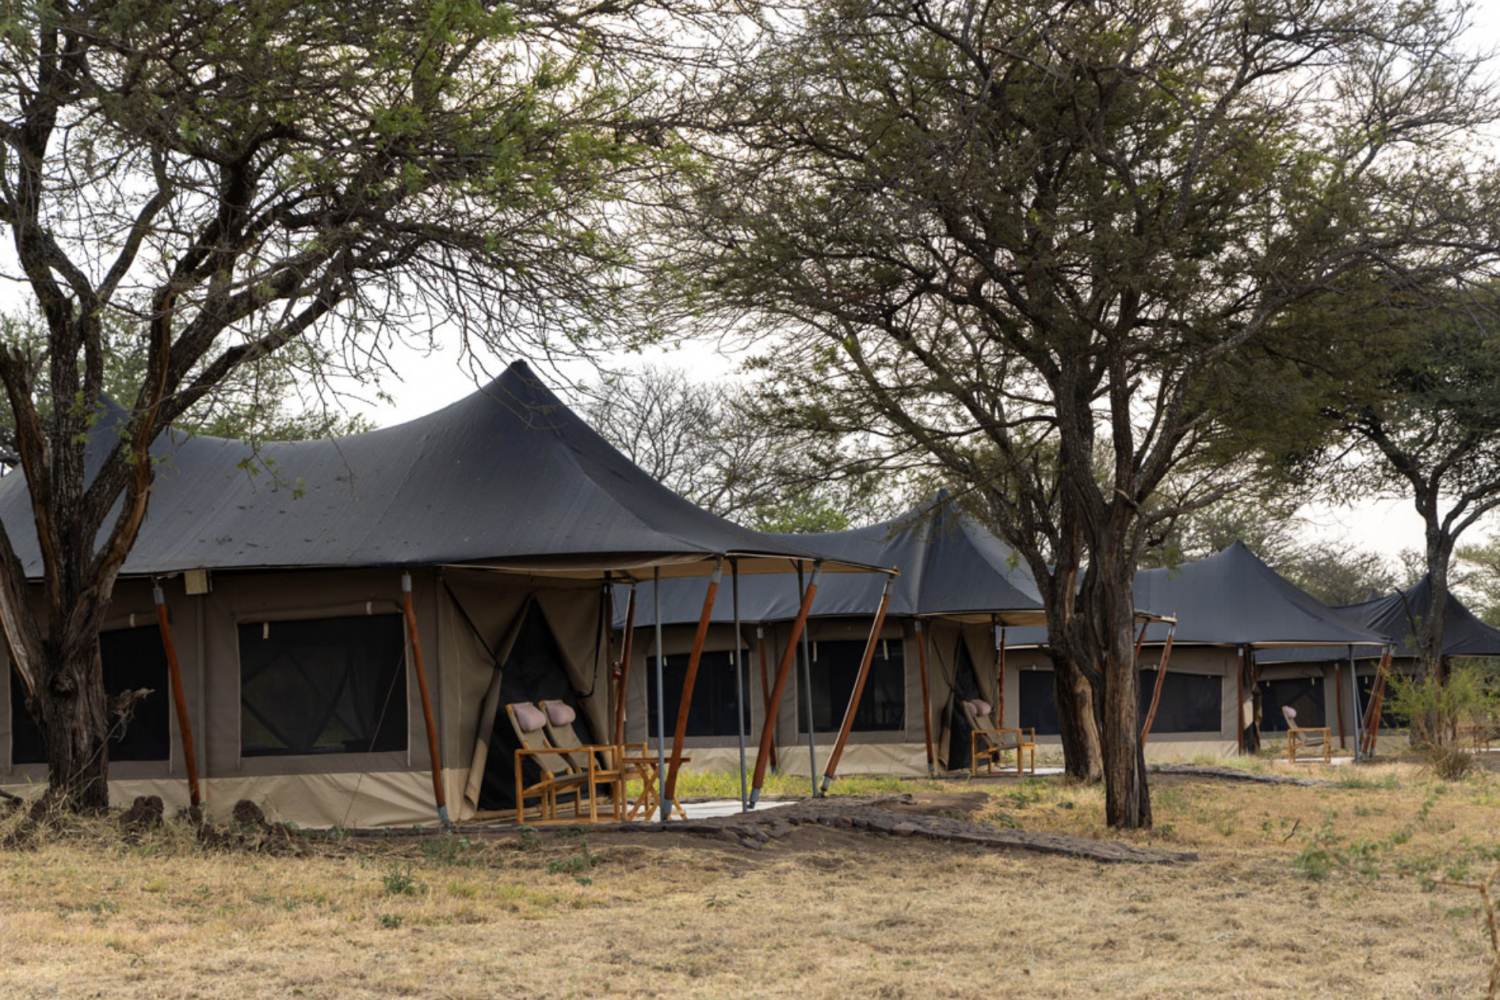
x=284 y=597
x=956 y=581
x=1397 y=615
x=1230 y=610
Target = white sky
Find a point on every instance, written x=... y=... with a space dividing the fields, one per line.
x=427 y=382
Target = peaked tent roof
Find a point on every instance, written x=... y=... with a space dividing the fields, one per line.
x=950 y=567
x=1232 y=598
x=1396 y=615
x=507 y=478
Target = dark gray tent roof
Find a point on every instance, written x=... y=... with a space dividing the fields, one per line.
x=1397 y=615
x=1232 y=598
x=507 y=477
x=950 y=567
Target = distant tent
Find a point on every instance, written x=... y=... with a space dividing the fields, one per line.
x=1228 y=607
x=956 y=580
x=1399 y=616
x=512 y=517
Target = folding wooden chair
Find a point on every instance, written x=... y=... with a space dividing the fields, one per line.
x=558 y=774
x=987 y=745
x=609 y=769
x=1307 y=740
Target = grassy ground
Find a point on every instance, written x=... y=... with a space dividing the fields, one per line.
x=1271 y=909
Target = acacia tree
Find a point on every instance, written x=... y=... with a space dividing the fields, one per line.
x=227 y=179
x=1424 y=424
x=713 y=445
x=999 y=227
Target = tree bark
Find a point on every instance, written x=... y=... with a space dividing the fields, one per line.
x=72 y=711
x=1077 y=722
x=1127 y=800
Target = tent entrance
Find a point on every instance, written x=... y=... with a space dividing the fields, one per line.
x=534 y=671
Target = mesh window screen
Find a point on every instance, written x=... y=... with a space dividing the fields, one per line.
x=133 y=658
x=882 y=707
x=1190 y=703
x=328 y=685
x=1038 y=702
x=1305 y=694
x=712 y=710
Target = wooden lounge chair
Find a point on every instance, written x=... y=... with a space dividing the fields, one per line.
x=607 y=761
x=987 y=745
x=558 y=773
x=1304 y=742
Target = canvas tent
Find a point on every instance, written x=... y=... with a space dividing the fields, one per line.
x=283 y=590
x=1228 y=608
x=1396 y=615
x=956 y=581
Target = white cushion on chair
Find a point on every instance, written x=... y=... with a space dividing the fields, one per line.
x=528 y=716
x=977 y=707
x=559 y=713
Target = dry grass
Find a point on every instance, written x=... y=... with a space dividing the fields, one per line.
x=828 y=913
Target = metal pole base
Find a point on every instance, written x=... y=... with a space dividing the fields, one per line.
x=754 y=797
x=827 y=780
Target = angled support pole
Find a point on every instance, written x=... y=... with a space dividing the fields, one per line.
x=622 y=676
x=438 y=795
x=926 y=702
x=765 y=679
x=807 y=699
x=999 y=631
x=783 y=670
x=179 y=702
x=859 y=688
x=1377 y=698
x=739 y=681
x=685 y=702
x=1161 y=675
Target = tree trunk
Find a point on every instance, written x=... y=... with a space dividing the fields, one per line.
x=1077 y=721
x=73 y=714
x=1252 y=688
x=1127 y=800
x=1429 y=620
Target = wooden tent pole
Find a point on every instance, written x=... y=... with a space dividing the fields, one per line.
x=685 y=702
x=1239 y=708
x=1338 y=697
x=1161 y=675
x=765 y=680
x=663 y=802
x=432 y=741
x=807 y=699
x=926 y=704
x=768 y=724
x=739 y=681
x=999 y=674
x=1140 y=641
x=179 y=701
x=622 y=676
x=859 y=688
x=1377 y=696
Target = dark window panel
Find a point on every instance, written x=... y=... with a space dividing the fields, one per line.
x=712 y=710
x=328 y=685
x=882 y=707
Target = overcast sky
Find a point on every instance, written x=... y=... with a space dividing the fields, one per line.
x=428 y=382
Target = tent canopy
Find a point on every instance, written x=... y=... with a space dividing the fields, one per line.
x=1398 y=616
x=507 y=478
x=1232 y=598
x=950 y=567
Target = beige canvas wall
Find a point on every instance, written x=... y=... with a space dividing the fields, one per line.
x=390 y=788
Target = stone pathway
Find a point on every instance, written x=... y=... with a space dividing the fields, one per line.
x=885 y=815
x=1233 y=774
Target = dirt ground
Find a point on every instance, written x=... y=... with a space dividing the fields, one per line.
x=1273 y=907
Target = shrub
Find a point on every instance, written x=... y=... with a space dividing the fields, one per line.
x=1435 y=709
x=1448 y=763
